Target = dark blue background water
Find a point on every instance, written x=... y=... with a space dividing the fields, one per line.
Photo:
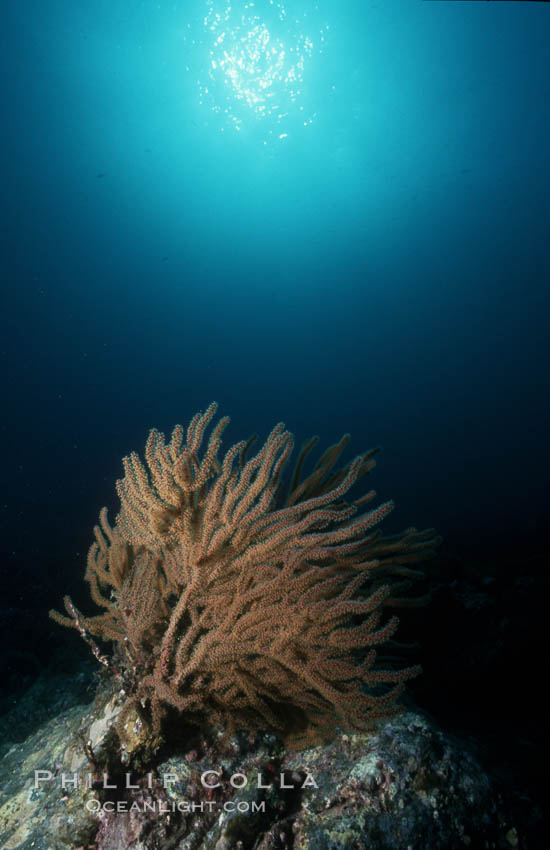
x=382 y=270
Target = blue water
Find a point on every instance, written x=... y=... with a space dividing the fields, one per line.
x=349 y=233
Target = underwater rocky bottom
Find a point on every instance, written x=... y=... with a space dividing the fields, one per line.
x=406 y=785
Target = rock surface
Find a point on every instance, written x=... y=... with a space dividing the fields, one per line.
x=408 y=785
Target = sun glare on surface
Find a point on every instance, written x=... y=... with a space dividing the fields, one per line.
x=256 y=64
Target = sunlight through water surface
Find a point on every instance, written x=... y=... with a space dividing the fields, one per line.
x=255 y=64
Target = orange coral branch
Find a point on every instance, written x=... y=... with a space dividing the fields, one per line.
x=226 y=602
